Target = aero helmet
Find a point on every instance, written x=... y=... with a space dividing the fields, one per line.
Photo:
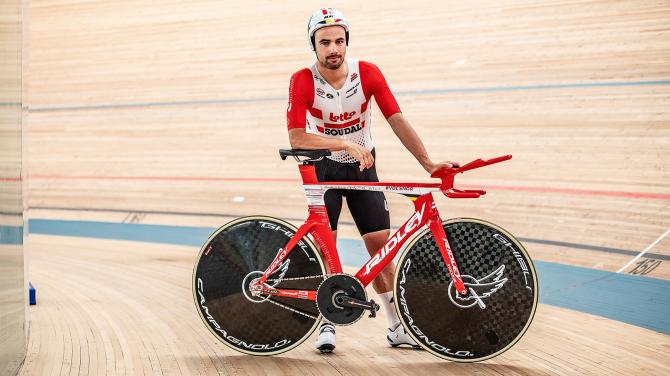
x=325 y=17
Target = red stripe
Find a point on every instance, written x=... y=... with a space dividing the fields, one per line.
x=11 y=179
x=316 y=113
x=364 y=106
x=165 y=178
x=343 y=125
x=575 y=191
x=569 y=191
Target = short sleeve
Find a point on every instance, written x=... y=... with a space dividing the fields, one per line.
x=374 y=84
x=300 y=98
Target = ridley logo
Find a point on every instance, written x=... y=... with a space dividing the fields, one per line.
x=342 y=117
x=396 y=239
x=479 y=289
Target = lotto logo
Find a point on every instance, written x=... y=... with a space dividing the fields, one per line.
x=342 y=117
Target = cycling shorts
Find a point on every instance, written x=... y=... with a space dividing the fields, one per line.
x=369 y=209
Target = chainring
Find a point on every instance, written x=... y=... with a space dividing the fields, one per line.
x=336 y=286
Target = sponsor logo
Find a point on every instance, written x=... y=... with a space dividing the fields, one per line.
x=453 y=266
x=352 y=93
x=278 y=259
x=400 y=188
x=341 y=132
x=354 y=76
x=353 y=87
x=320 y=92
x=289 y=234
x=421 y=336
x=329 y=96
x=235 y=341
x=342 y=117
x=319 y=79
x=480 y=289
x=396 y=239
x=519 y=259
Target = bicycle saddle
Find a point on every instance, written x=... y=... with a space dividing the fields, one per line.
x=310 y=154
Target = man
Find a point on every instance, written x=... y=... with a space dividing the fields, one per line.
x=329 y=108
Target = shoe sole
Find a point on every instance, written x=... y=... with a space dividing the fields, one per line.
x=325 y=349
x=398 y=344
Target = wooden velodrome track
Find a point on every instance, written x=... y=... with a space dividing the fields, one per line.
x=169 y=112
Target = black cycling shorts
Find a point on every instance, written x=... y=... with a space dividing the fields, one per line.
x=369 y=209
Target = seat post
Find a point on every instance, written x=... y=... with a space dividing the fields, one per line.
x=308 y=173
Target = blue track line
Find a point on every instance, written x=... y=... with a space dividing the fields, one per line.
x=482 y=89
x=11 y=235
x=635 y=300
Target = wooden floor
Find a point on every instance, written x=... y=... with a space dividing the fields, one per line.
x=172 y=113
x=124 y=308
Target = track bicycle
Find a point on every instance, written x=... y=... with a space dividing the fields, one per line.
x=465 y=289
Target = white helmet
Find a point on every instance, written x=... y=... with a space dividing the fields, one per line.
x=325 y=17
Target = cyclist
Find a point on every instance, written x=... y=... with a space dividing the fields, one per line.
x=329 y=108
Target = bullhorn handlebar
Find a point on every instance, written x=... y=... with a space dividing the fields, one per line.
x=447 y=175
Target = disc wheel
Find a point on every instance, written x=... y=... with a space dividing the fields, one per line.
x=502 y=292
x=234 y=256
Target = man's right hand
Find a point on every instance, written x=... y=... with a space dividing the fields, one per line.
x=363 y=155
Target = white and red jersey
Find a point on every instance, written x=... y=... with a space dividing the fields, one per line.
x=318 y=108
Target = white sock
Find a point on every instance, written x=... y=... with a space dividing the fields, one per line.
x=391 y=315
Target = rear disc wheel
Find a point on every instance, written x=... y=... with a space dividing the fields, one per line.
x=231 y=259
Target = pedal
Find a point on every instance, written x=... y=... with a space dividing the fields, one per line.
x=373 y=312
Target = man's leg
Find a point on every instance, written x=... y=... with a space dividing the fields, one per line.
x=383 y=285
x=325 y=341
x=373 y=242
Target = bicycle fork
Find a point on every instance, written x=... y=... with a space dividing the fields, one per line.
x=435 y=225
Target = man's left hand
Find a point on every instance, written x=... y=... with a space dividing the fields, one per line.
x=432 y=167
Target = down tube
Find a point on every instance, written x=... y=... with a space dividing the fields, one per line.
x=424 y=209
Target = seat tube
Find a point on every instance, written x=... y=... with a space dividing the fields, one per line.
x=308 y=173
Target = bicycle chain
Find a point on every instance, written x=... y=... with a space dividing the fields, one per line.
x=282 y=305
x=297 y=278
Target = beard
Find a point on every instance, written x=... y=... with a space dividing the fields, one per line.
x=333 y=61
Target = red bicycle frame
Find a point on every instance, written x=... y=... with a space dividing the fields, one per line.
x=425 y=212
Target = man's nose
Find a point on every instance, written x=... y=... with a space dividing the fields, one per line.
x=332 y=48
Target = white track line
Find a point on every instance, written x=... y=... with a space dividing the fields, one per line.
x=645 y=251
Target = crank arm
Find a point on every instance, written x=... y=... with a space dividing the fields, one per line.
x=347 y=301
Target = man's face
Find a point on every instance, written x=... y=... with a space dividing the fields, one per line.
x=331 y=46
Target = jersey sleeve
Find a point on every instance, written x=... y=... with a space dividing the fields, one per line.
x=374 y=84
x=300 y=98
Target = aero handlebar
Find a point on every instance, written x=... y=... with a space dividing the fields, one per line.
x=447 y=175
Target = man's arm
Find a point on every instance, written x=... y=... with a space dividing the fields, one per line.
x=410 y=139
x=300 y=139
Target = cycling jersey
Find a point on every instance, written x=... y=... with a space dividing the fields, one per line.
x=318 y=108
